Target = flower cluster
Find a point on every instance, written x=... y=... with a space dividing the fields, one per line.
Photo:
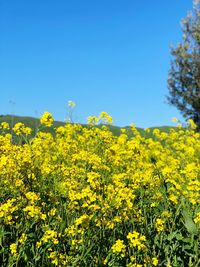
x=47 y=119
x=137 y=240
x=21 y=129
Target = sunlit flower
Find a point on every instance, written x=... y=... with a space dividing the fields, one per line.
x=47 y=119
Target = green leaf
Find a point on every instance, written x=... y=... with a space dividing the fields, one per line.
x=189 y=224
x=175 y=235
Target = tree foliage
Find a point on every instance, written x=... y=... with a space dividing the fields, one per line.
x=184 y=75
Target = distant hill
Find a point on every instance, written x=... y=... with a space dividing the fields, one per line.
x=34 y=122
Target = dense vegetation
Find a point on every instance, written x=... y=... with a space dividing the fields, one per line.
x=82 y=196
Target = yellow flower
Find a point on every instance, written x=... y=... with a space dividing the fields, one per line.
x=33 y=211
x=119 y=247
x=154 y=261
x=105 y=261
x=7 y=209
x=136 y=240
x=47 y=119
x=50 y=235
x=173 y=198
x=18 y=182
x=159 y=225
x=38 y=244
x=32 y=197
x=197 y=218
x=52 y=212
x=81 y=219
x=5 y=126
x=20 y=129
x=13 y=249
x=23 y=238
x=153 y=205
x=92 y=120
x=43 y=216
x=105 y=117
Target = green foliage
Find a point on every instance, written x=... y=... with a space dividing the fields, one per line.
x=184 y=75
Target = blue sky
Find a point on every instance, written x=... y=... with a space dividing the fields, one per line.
x=105 y=55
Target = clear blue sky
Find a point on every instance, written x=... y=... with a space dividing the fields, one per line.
x=106 y=55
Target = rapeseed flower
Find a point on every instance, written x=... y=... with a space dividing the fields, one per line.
x=159 y=224
x=137 y=240
x=13 y=249
x=197 y=218
x=20 y=129
x=119 y=247
x=5 y=126
x=47 y=119
x=155 y=261
x=23 y=238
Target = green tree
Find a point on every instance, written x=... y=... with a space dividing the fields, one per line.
x=184 y=74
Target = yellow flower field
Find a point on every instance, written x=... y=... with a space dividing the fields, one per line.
x=84 y=197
